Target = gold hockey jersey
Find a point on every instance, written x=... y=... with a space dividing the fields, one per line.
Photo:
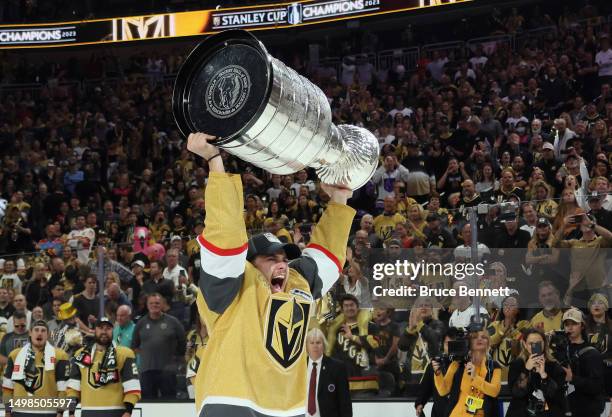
x=255 y=360
x=104 y=400
x=45 y=383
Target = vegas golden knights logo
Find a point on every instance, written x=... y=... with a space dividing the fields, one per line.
x=33 y=381
x=286 y=330
x=143 y=27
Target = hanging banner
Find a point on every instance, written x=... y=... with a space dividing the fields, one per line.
x=203 y=22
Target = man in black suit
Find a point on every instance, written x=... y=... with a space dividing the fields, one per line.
x=327 y=385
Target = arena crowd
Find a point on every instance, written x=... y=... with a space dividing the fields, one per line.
x=523 y=135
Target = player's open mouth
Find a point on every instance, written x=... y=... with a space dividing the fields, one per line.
x=276 y=284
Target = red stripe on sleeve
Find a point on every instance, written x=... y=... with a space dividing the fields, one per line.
x=222 y=252
x=327 y=253
x=132 y=392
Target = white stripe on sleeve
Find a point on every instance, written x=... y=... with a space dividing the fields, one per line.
x=328 y=270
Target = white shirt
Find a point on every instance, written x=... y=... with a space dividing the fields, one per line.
x=319 y=363
x=11 y=281
x=461 y=319
x=465 y=251
x=309 y=183
x=173 y=274
x=603 y=59
x=83 y=253
x=528 y=228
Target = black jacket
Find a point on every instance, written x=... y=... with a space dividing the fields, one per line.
x=426 y=390
x=588 y=380
x=333 y=393
x=552 y=388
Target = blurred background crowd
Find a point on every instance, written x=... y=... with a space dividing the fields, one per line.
x=93 y=169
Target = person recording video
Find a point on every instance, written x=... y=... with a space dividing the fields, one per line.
x=536 y=379
x=472 y=384
x=427 y=388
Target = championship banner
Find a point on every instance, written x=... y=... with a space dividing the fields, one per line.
x=203 y=22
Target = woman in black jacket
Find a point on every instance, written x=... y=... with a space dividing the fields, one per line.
x=536 y=380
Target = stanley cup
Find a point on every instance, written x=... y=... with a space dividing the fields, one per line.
x=265 y=113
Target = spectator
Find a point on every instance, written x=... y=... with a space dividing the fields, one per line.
x=10 y=279
x=536 y=379
x=159 y=340
x=505 y=333
x=386 y=175
x=351 y=340
x=81 y=239
x=123 y=331
x=87 y=304
x=588 y=267
x=20 y=304
x=6 y=308
x=603 y=59
x=549 y=318
x=16 y=338
x=585 y=370
x=52 y=321
x=384 y=224
x=67 y=335
x=422 y=338
x=465 y=311
x=37 y=292
x=354 y=283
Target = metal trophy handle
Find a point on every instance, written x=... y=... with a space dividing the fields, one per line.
x=265 y=113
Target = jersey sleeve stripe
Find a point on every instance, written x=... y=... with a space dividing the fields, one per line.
x=75 y=384
x=131 y=385
x=327 y=269
x=229 y=264
x=333 y=258
x=220 y=251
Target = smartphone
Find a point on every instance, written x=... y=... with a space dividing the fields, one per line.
x=536 y=348
x=576 y=218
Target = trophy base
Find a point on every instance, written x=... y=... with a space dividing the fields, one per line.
x=223 y=86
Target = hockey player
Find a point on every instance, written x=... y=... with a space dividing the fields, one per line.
x=255 y=303
x=37 y=372
x=103 y=377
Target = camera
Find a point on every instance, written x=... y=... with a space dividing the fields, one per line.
x=559 y=345
x=535 y=406
x=458 y=350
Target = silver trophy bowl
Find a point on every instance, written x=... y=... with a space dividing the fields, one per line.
x=265 y=113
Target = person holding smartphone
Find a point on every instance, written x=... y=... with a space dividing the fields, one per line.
x=536 y=380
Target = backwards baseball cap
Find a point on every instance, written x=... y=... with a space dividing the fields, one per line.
x=548 y=145
x=139 y=263
x=40 y=323
x=543 y=222
x=268 y=244
x=103 y=321
x=574 y=315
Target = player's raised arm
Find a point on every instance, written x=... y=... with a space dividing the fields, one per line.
x=323 y=259
x=224 y=240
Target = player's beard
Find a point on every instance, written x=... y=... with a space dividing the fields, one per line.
x=103 y=340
